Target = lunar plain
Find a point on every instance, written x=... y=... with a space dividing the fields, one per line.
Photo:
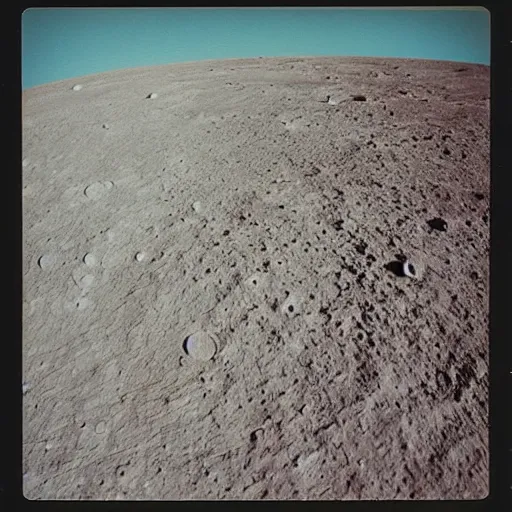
x=214 y=302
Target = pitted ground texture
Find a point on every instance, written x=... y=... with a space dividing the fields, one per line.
x=263 y=208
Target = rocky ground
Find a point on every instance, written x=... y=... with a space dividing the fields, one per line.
x=213 y=300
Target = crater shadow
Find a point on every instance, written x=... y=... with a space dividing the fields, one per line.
x=396 y=267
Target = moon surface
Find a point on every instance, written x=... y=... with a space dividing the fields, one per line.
x=262 y=211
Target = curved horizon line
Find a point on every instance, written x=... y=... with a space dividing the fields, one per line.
x=204 y=61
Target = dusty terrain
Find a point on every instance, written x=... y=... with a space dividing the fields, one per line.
x=243 y=208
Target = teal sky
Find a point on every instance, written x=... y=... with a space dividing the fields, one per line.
x=69 y=42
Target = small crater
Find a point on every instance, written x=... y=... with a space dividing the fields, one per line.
x=409 y=270
x=200 y=346
x=46 y=261
x=338 y=225
x=396 y=267
x=101 y=427
x=361 y=248
x=98 y=189
x=438 y=224
x=86 y=281
x=290 y=306
x=359 y=97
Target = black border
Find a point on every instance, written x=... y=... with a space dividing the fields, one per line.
x=500 y=369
